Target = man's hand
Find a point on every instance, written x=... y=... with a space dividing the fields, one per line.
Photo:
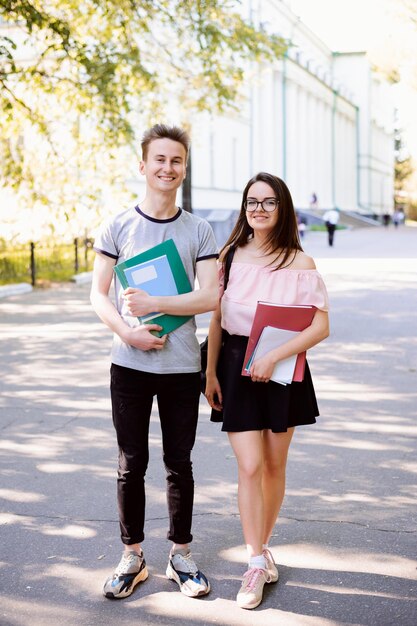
x=140 y=337
x=138 y=302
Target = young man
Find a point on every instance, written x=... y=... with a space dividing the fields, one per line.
x=144 y=366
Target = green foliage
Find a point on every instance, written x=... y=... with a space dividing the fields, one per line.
x=412 y=210
x=79 y=79
x=14 y=264
x=322 y=227
x=403 y=184
x=54 y=261
x=403 y=171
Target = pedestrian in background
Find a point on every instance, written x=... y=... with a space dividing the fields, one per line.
x=386 y=218
x=260 y=415
x=144 y=366
x=301 y=226
x=313 y=201
x=398 y=217
x=331 y=219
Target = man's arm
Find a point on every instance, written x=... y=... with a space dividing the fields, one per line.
x=139 y=336
x=199 y=301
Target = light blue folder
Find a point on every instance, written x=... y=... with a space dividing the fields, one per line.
x=155 y=277
x=160 y=272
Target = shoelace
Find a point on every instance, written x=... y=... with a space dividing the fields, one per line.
x=253 y=574
x=188 y=563
x=125 y=563
x=268 y=555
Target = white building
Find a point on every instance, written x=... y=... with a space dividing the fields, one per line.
x=321 y=120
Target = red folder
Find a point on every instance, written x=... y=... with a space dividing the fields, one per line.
x=288 y=317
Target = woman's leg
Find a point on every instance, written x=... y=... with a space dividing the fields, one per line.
x=275 y=453
x=248 y=449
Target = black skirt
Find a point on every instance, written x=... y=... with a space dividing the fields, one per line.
x=257 y=406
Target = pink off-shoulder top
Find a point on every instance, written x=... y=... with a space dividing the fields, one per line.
x=249 y=283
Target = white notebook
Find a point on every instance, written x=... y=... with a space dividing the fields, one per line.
x=272 y=338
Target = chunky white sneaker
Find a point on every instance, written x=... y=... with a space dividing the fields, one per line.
x=130 y=571
x=251 y=592
x=182 y=569
x=271 y=567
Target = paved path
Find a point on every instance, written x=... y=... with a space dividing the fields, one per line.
x=346 y=539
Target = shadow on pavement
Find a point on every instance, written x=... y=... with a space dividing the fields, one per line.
x=345 y=539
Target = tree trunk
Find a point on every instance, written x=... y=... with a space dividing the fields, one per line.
x=186 y=188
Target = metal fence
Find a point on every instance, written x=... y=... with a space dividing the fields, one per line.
x=37 y=263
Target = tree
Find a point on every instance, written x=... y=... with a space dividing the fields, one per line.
x=404 y=173
x=79 y=78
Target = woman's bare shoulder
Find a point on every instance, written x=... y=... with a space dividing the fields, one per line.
x=303 y=262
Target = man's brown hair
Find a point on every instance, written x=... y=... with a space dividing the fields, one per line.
x=162 y=131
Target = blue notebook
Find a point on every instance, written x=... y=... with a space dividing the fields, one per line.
x=160 y=272
x=155 y=277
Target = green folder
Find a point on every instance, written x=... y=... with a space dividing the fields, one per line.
x=160 y=272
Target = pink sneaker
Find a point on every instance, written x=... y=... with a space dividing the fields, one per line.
x=251 y=592
x=271 y=567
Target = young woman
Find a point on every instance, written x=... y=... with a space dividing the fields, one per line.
x=259 y=415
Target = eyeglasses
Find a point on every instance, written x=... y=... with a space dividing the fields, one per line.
x=268 y=204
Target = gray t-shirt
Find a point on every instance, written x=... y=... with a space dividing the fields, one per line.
x=132 y=232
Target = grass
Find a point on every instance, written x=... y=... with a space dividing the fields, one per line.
x=53 y=263
x=321 y=227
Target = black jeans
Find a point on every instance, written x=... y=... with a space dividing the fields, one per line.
x=178 y=395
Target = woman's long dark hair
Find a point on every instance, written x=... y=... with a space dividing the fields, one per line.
x=284 y=239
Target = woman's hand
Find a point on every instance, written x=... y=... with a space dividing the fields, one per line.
x=213 y=393
x=262 y=368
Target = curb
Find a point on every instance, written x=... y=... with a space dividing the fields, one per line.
x=19 y=288
x=83 y=277
x=14 y=289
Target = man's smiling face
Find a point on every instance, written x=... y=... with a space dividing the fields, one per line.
x=165 y=165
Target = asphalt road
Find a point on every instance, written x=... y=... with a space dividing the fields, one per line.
x=346 y=538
